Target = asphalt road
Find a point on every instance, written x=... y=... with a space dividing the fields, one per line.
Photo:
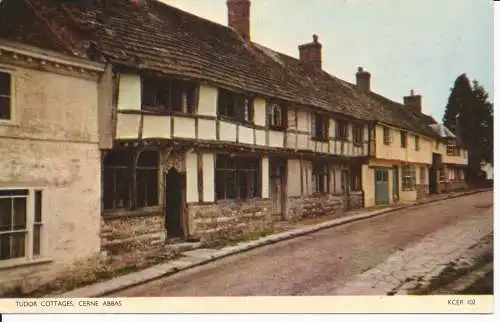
x=303 y=265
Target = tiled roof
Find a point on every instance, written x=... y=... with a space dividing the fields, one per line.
x=170 y=41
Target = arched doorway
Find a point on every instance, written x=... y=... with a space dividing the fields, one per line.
x=173 y=204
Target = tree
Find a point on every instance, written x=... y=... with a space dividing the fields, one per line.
x=469 y=115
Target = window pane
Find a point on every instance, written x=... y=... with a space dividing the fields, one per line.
x=108 y=194
x=117 y=158
x=12 y=245
x=142 y=187
x=148 y=159
x=244 y=184
x=4 y=246
x=19 y=213
x=152 y=187
x=36 y=239
x=5 y=214
x=38 y=206
x=122 y=188
x=4 y=84
x=230 y=184
x=18 y=245
x=5 y=108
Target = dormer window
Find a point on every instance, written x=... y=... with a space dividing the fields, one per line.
x=235 y=106
x=162 y=94
x=276 y=116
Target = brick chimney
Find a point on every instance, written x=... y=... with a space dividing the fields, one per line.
x=310 y=53
x=413 y=101
x=363 y=80
x=238 y=17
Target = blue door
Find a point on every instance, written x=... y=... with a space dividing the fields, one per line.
x=381 y=186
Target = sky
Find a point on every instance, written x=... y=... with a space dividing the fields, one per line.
x=422 y=45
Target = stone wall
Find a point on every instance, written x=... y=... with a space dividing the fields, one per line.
x=422 y=191
x=314 y=206
x=228 y=216
x=450 y=186
x=356 y=200
x=51 y=144
x=132 y=240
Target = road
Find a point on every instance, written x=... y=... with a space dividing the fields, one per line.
x=305 y=265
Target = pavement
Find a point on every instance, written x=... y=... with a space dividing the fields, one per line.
x=272 y=269
x=425 y=260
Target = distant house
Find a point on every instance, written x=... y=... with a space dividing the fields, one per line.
x=398 y=168
x=449 y=161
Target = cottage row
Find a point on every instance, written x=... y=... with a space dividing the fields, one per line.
x=125 y=125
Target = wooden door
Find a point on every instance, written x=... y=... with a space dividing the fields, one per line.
x=173 y=204
x=277 y=187
x=345 y=190
x=381 y=186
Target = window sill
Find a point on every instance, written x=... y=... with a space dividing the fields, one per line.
x=234 y=120
x=12 y=123
x=277 y=128
x=20 y=262
x=320 y=139
x=162 y=111
x=126 y=213
x=239 y=201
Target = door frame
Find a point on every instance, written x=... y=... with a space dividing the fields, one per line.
x=395 y=183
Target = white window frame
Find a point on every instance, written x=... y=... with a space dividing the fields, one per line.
x=423 y=174
x=30 y=224
x=386 y=134
x=403 y=136
x=409 y=177
x=451 y=149
x=13 y=110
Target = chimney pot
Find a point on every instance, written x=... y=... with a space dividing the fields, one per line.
x=238 y=17
x=412 y=93
x=315 y=39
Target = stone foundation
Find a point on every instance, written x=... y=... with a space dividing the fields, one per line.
x=314 y=206
x=422 y=191
x=229 y=216
x=356 y=200
x=450 y=186
x=132 y=239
